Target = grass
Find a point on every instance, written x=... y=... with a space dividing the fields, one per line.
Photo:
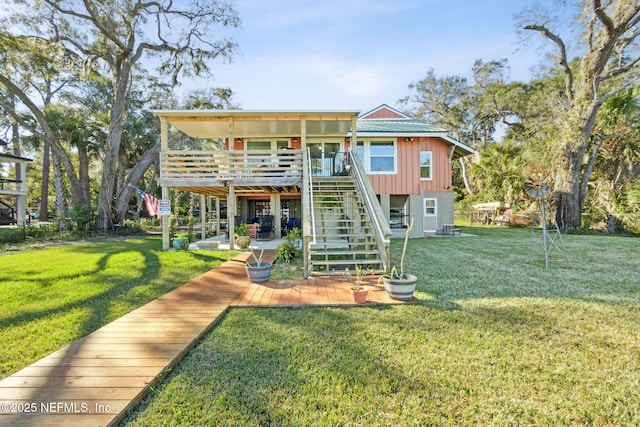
x=50 y=297
x=498 y=339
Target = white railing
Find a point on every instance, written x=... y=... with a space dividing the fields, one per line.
x=308 y=214
x=230 y=165
x=313 y=210
x=382 y=229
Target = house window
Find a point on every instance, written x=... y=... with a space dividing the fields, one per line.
x=430 y=207
x=425 y=165
x=378 y=156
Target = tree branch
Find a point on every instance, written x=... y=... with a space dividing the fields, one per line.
x=563 y=56
x=599 y=12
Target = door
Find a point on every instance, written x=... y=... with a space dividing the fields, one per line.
x=430 y=221
x=322 y=157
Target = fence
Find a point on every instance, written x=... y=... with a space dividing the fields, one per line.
x=44 y=230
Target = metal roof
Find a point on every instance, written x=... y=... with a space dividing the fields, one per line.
x=395 y=126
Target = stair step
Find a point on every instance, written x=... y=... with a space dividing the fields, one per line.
x=343 y=245
x=338 y=266
x=343 y=253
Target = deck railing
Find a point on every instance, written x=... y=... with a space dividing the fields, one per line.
x=329 y=164
x=381 y=227
x=226 y=166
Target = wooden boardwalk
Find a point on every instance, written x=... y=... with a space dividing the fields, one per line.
x=97 y=379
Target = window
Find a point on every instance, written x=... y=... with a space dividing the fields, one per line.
x=378 y=156
x=425 y=165
x=382 y=156
x=430 y=207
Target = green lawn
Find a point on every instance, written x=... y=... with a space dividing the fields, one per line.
x=497 y=340
x=51 y=297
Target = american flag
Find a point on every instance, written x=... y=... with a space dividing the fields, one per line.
x=151 y=202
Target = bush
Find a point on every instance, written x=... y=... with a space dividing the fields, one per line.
x=287 y=251
x=12 y=235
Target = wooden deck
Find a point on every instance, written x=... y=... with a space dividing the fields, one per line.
x=97 y=379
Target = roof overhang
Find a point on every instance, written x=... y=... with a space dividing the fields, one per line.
x=253 y=123
x=4 y=157
x=459 y=149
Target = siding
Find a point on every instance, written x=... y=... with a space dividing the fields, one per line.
x=383 y=113
x=407 y=180
x=441 y=174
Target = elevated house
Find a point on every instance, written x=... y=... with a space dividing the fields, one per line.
x=13 y=189
x=346 y=179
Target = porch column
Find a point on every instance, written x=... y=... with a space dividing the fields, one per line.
x=203 y=216
x=276 y=211
x=231 y=216
x=217 y=221
x=306 y=203
x=164 y=145
x=354 y=133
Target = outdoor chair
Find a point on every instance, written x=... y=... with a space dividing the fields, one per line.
x=266 y=228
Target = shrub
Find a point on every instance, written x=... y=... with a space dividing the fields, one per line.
x=287 y=251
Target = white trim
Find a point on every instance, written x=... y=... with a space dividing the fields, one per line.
x=435 y=206
x=430 y=216
x=430 y=177
x=366 y=161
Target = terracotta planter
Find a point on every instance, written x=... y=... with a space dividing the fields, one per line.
x=243 y=242
x=401 y=289
x=360 y=295
x=259 y=274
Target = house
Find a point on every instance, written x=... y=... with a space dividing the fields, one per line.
x=347 y=179
x=13 y=189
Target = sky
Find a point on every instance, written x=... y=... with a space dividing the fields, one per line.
x=358 y=54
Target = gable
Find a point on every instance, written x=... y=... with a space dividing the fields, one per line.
x=383 y=112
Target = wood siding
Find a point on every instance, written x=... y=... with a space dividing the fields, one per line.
x=407 y=180
x=383 y=113
x=441 y=173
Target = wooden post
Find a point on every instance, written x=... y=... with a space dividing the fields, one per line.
x=203 y=216
x=231 y=216
x=164 y=144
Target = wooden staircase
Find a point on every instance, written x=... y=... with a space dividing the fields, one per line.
x=344 y=234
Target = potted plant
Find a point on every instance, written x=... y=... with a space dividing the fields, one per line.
x=258 y=271
x=181 y=241
x=358 y=292
x=399 y=285
x=242 y=236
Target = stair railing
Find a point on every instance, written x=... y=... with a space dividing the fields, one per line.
x=381 y=228
x=308 y=213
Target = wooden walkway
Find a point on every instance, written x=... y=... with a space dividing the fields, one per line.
x=97 y=379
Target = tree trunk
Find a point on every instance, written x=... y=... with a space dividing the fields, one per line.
x=58 y=185
x=44 y=191
x=135 y=175
x=121 y=74
x=465 y=176
x=83 y=174
x=567 y=193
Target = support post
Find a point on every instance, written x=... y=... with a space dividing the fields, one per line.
x=164 y=145
x=203 y=216
x=231 y=216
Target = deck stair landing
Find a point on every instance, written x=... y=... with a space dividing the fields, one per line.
x=344 y=235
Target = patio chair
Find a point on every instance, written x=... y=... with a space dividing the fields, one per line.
x=266 y=228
